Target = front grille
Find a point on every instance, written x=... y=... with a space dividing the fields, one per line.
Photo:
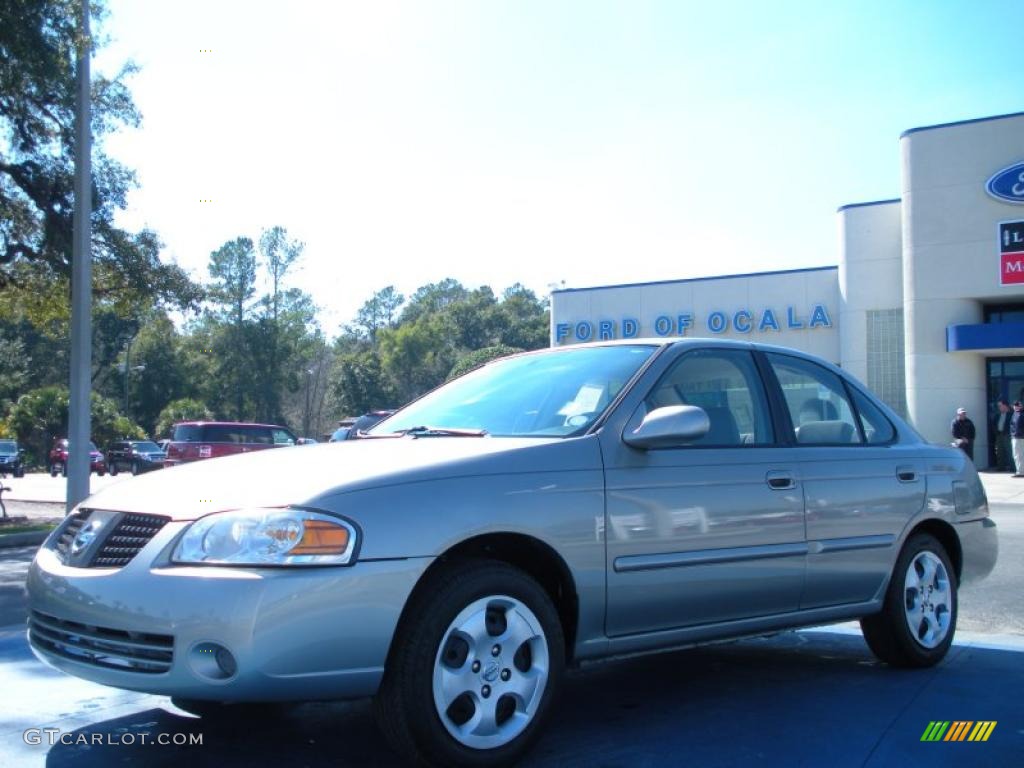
x=100 y=646
x=120 y=537
x=71 y=528
x=132 y=533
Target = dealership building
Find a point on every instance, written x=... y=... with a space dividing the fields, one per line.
x=926 y=305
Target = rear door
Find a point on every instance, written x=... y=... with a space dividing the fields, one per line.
x=860 y=487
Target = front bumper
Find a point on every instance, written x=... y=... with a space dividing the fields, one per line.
x=979 y=544
x=295 y=633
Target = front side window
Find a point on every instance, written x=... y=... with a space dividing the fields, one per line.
x=726 y=384
x=818 y=406
x=554 y=393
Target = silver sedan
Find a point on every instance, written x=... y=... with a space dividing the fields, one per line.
x=545 y=509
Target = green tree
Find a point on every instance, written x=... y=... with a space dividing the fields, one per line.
x=417 y=356
x=478 y=357
x=41 y=415
x=524 y=320
x=379 y=311
x=359 y=383
x=185 y=409
x=233 y=268
x=14 y=371
x=432 y=299
x=38 y=43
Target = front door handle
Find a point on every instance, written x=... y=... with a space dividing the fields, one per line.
x=780 y=481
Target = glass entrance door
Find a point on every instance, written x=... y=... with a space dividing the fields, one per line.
x=1006 y=380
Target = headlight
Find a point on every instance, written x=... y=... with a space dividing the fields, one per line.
x=267 y=537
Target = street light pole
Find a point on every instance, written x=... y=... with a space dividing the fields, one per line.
x=79 y=422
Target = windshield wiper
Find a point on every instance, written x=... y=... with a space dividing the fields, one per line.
x=425 y=431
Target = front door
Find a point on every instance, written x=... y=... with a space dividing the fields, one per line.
x=707 y=532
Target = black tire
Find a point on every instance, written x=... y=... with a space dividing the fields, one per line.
x=63 y=469
x=112 y=466
x=135 y=467
x=889 y=635
x=54 y=469
x=19 y=472
x=101 y=472
x=405 y=708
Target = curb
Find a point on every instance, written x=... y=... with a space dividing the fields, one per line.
x=34 y=538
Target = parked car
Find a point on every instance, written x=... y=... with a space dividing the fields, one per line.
x=135 y=455
x=195 y=440
x=341 y=433
x=542 y=510
x=58 y=458
x=353 y=429
x=11 y=458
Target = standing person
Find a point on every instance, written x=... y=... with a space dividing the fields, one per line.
x=963 y=432
x=1004 y=451
x=1017 y=437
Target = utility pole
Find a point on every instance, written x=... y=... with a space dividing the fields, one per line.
x=79 y=427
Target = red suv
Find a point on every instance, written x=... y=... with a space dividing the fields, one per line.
x=58 y=459
x=194 y=440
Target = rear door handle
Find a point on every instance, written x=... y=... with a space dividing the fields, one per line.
x=906 y=474
x=780 y=481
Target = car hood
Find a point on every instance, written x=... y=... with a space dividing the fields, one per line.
x=308 y=474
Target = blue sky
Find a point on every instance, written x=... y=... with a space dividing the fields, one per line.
x=539 y=142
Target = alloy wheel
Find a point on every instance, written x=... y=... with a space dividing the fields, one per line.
x=490 y=672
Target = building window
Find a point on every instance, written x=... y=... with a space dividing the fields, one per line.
x=1005 y=313
x=886 y=358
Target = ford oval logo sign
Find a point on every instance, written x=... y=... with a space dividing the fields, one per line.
x=1008 y=184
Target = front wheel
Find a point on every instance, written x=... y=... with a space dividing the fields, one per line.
x=474 y=670
x=918 y=619
x=112 y=466
x=135 y=467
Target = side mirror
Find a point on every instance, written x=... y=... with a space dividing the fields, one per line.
x=669 y=426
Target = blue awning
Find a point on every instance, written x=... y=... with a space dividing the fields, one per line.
x=960 y=338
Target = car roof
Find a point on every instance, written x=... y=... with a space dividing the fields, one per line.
x=227 y=424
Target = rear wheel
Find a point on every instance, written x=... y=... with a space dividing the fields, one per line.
x=918 y=620
x=476 y=666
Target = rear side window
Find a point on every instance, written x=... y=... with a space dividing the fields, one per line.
x=726 y=384
x=816 y=398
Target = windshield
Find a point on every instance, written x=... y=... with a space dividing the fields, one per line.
x=8 y=446
x=548 y=394
x=146 y=445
